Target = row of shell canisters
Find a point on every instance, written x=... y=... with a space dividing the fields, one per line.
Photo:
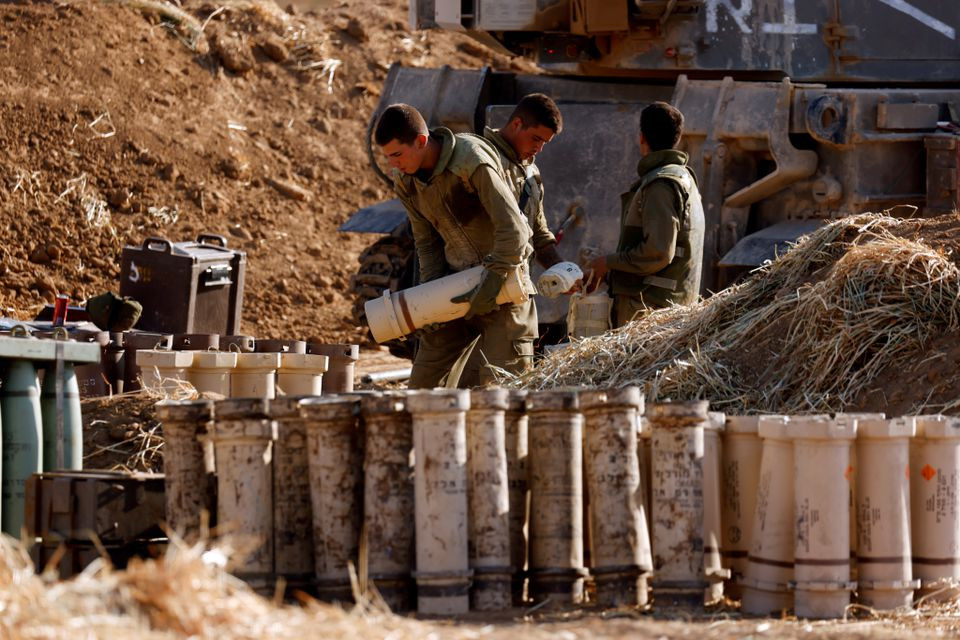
x=40 y=422
x=566 y=497
x=239 y=366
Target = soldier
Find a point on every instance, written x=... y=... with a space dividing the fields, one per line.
x=463 y=213
x=535 y=121
x=660 y=251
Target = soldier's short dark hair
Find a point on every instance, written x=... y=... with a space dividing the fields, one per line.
x=538 y=109
x=662 y=125
x=399 y=122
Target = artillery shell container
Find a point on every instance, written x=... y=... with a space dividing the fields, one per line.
x=885 y=576
x=440 y=499
x=134 y=341
x=489 y=500
x=255 y=375
x=210 y=371
x=63 y=451
x=713 y=568
x=677 y=497
x=555 y=460
x=292 y=512
x=334 y=442
x=185 y=287
x=388 y=497
x=770 y=561
x=22 y=440
x=340 y=366
x=821 y=458
x=190 y=490
x=740 y=475
x=620 y=556
x=935 y=506
x=301 y=374
x=243 y=436
x=515 y=428
x=163 y=371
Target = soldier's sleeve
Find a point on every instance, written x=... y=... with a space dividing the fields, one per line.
x=429 y=244
x=542 y=236
x=511 y=232
x=660 y=224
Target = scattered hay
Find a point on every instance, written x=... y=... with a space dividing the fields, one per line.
x=806 y=333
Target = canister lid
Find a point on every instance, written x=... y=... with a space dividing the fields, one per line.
x=303 y=363
x=517 y=400
x=438 y=400
x=382 y=404
x=185 y=410
x=285 y=407
x=774 y=427
x=234 y=408
x=244 y=344
x=214 y=360
x=280 y=346
x=261 y=362
x=623 y=396
x=340 y=351
x=822 y=427
x=904 y=427
x=196 y=341
x=938 y=427
x=164 y=359
x=742 y=424
x=321 y=408
x=137 y=340
x=683 y=413
x=717 y=420
x=553 y=400
x=496 y=398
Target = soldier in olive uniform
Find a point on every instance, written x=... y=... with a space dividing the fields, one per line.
x=535 y=121
x=659 y=255
x=463 y=213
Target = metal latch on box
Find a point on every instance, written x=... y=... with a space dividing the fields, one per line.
x=217 y=275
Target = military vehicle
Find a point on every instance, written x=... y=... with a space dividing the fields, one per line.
x=795 y=113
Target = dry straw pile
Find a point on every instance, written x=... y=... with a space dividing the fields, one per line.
x=805 y=333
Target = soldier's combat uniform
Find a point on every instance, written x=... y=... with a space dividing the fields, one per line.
x=659 y=255
x=524 y=177
x=463 y=214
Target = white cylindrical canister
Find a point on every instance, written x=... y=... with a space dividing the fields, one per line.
x=254 y=375
x=489 y=500
x=400 y=313
x=440 y=498
x=186 y=485
x=740 y=475
x=163 y=370
x=935 y=506
x=388 y=497
x=243 y=435
x=677 y=496
x=210 y=371
x=620 y=557
x=713 y=569
x=885 y=576
x=589 y=314
x=301 y=374
x=515 y=427
x=292 y=523
x=555 y=461
x=769 y=570
x=821 y=461
x=336 y=490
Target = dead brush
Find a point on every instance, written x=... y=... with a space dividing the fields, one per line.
x=805 y=333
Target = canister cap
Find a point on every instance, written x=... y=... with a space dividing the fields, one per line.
x=342 y=407
x=303 y=362
x=938 y=427
x=905 y=427
x=773 y=427
x=258 y=361
x=822 y=427
x=383 y=404
x=185 y=410
x=438 y=400
x=137 y=340
x=517 y=400
x=234 y=408
x=718 y=420
x=495 y=398
x=339 y=351
x=742 y=424
x=164 y=359
x=684 y=412
x=622 y=396
x=285 y=407
x=553 y=400
x=280 y=346
x=214 y=360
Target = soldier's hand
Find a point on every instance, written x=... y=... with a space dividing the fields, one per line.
x=597 y=272
x=483 y=297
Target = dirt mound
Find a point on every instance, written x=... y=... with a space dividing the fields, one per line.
x=117 y=124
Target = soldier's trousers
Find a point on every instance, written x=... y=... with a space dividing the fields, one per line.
x=506 y=342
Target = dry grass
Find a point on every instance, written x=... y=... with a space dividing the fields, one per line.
x=188 y=594
x=805 y=333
